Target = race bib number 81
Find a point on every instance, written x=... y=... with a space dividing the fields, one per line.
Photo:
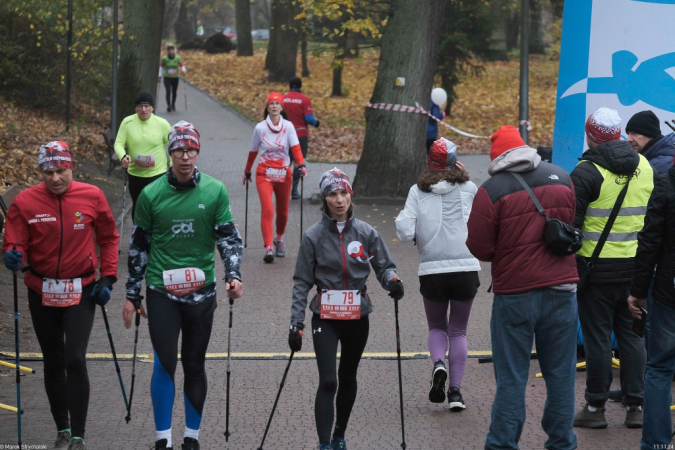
x=341 y=305
x=183 y=281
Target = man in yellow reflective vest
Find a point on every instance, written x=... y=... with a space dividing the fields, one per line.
x=604 y=169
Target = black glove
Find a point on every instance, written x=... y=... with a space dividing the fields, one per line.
x=317 y=124
x=101 y=290
x=295 y=338
x=396 y=291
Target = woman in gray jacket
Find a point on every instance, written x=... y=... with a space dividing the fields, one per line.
x=435 y=215
x=335 y=256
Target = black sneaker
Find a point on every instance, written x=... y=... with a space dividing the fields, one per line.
x=190 y=444
x=455 y=400
x=269 y=255
x=161 y=445
x=438 y=376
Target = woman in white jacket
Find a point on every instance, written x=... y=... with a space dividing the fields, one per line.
x=435 y=217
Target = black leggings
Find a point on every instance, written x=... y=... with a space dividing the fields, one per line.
x=166 y=320
x=353 y=335
x=171 y=86
x=136 y=185
x=63 y=335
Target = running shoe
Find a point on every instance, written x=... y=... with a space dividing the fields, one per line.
x=338 y=444
x=190 y=444
x=455 y=399
x=161 y=445
x=633 y=417
x=324 y=447
x=438 y=376
x=279 y=249
x=590 y=419
x=269 y=254
x=77 y=444
x=62 y=439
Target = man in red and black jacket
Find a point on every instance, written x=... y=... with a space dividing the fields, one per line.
x=54 y=227
x=534 y=289
x=298 y=107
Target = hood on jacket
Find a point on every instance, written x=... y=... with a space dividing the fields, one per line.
x=519 y=159
x=616 y=156
x=664 y=147
x=442 y=187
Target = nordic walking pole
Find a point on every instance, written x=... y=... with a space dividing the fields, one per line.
x=302 y=196
x=184 y=92
x=124 y=202
x=670 y=125
x=281 y=386
x=246 y=218
x=133 y=364
x=227 y=390
x=400 y=380
x=112 y=348
x=16 y=356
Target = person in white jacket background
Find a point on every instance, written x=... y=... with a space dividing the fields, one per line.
x=435 y=216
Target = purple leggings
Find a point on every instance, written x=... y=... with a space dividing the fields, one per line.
x=453 y=328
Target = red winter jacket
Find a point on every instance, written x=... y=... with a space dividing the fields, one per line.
x=506 y=228
x=55 y=233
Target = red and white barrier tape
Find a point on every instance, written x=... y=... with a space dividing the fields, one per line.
x=419 y=110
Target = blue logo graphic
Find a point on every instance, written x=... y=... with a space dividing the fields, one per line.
x=631 y=83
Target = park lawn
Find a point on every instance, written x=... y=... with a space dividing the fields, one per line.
x=483 y=104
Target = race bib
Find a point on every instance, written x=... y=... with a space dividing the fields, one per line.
x=61 y=293
x=185 y=281
x=172 y=72
x=340 y=305
x=276 y=175
x=145 y=160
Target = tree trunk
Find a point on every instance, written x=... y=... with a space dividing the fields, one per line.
x=282 y=52
x=183 y=27
x=352 y=47
x=393 y=149
x=303 y=49
x=339 y=61
x=139 y=56
x=244 y=39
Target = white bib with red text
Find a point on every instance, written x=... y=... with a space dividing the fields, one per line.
x=275 y=175
x=184 y=281
x=61 y=293
x=145 y=160
x=340 y=305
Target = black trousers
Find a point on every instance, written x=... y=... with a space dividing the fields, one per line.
x=63 y=335
x=171 y=86
x=352 y=335
x=602 y=309
x=296 y=172
x=136 y=185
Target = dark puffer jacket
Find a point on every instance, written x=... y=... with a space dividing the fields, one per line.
x=506 y=228
x=618 y=157
x=656 y=244
x=660 y=153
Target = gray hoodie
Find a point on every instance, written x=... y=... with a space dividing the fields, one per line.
x=329 y=259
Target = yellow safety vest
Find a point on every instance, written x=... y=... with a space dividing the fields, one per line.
x=622 y=239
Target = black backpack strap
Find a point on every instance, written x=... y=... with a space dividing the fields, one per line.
x=530 y=193
x=608 y=226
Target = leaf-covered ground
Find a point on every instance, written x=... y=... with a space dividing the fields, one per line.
x=23 y=131
x=483 y=103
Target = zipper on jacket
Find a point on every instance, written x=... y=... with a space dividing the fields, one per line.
x=344 y=259
x=58 y=261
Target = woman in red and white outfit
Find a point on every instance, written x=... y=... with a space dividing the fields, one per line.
x=272 y=138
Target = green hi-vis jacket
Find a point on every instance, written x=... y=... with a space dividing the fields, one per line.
x=622 y=239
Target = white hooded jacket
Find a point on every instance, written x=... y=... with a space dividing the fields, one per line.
x=437 y=220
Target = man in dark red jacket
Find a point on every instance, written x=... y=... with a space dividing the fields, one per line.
x=534 y=289
x=55 y=227
x=298 y=107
